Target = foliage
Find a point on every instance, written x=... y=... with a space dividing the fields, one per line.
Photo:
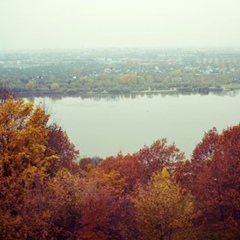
x=151 y=194
x=212 y=175
x=4 y=94
x=188 y=172
x=29 y=205
x=128 y=167
x=163 y=210
x=220 y=183
x=24 y=138
x=23 y=165
x=59 y=144
x=139 y=167
x=158 y=156
x=103 y=207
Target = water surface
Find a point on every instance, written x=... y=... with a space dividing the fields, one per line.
x=105 y=126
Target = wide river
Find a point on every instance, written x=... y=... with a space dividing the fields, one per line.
x=105 y=126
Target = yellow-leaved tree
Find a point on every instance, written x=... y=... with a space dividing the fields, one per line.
x=28 y=205
x=23 y=138
x=163 y=211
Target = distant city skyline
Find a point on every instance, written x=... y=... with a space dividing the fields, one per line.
x=79 y=24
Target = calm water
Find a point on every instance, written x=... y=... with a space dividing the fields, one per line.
x=105 y=126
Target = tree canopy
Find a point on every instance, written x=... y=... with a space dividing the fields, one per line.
x=48 y=192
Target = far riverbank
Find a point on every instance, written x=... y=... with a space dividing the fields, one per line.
x=27 y=93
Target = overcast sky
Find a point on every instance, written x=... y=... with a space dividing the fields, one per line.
x=41 y=24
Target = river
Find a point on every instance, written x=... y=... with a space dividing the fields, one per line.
x=104 y=126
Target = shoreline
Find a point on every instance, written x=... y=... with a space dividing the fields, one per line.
x=180 y=91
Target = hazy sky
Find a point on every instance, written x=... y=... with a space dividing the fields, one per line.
x=40 y=24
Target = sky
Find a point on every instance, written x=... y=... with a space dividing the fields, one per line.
x=80 y=24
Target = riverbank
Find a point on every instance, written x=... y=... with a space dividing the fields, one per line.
x=27 y=93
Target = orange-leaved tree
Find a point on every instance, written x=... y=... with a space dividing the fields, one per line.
x=188 y=172
x=60 y=145
x=158 y=156
x=128 y=167
x=100 y=192
x=212 y=176
x=219 y=184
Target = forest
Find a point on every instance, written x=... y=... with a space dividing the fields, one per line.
x=47 y=191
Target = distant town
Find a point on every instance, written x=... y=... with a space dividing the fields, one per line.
x=120 y=71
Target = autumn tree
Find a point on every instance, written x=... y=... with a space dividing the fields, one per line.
x=88 y=163
x=59 y=144
x=23 y=161
x=158 y=156
x=29 y=203
x=24 y=138
x=65 y=200
x=4 y=94
x=219 y=183
x=128 y=167
x=136 y=169
x=187 y=172
x=212 y=176
x=97 y=204
x=163 y=210
x=100 y=192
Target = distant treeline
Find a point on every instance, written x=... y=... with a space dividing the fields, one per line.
x=77 y=73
